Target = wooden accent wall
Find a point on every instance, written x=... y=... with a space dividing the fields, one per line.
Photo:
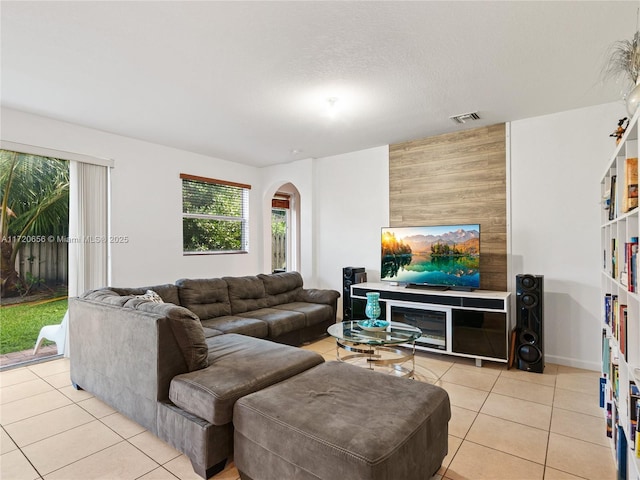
x=456 y=178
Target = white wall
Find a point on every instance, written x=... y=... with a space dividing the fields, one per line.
x=147 y=199
x=556 y=165
x=351 y=205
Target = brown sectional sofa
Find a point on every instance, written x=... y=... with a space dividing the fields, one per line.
x=177 y=368
x=193 y=372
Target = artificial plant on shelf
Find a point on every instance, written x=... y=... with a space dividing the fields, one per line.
x=624 y=62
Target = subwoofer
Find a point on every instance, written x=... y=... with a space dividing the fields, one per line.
x=350 y=275
x=529 y=345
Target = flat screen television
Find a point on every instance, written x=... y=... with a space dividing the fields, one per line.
x=432 y=255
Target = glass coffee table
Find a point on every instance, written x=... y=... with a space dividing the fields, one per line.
x=375 y=350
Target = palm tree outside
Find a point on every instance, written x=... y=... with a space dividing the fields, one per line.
x=34 y=209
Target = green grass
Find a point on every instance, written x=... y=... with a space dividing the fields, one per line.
x=20 y=324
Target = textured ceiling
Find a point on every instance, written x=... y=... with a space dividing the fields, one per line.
x=249 y=81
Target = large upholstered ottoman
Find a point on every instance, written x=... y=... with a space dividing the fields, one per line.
x=342 y=421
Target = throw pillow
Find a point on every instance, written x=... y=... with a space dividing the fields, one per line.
x=150 y=296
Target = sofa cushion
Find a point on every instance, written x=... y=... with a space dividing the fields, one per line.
x=313 y=312
x=245 y=294
x=281 y=287
x=238 y=365
x=106 y=295
x=207 y=297
x=279 y=321
x=211 y=332
x=245 y=326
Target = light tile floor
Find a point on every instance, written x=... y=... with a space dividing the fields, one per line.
x=506 y=424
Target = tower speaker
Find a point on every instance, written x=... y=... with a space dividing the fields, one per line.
x=530 y=323
x=350 y=275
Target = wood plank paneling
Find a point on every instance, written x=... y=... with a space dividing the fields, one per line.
x=452 y=179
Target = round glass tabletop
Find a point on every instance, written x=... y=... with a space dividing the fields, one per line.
x=394 y=334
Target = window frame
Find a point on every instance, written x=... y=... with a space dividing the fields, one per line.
x=243 y=219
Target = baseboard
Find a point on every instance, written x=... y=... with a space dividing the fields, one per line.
x=572 y=362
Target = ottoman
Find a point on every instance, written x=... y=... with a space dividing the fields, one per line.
x=338 y=420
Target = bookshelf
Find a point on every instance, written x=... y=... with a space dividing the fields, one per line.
x=620 y=382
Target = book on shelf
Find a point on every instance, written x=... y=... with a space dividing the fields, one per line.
x=633 y=265
x=607 y=308
x=606 y=354
x=614 y=258
x=613 y=317
x=610 y=419
x=630 y=189
x=612 y=198
x=621 y=453
x=622 y=330
x=612 y=392
x=637 y=443
x=630 y=264
x=624 y=277
x=634 y=396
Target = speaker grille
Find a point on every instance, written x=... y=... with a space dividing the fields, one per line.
x=529 y=354
x=529 y=300
x=529 y=282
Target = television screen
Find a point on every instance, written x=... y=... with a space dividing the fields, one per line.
x=443 y=255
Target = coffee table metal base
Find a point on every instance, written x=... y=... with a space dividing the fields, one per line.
x=392 y=360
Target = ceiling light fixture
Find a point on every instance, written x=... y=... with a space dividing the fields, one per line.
x=464 y=117
x=333 y=109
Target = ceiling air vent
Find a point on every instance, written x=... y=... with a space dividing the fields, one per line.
x=465 y=117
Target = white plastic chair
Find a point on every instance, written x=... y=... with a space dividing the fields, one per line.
x=55 y=333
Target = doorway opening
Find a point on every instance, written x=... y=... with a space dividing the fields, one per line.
x=284 y=229
x=34 y=228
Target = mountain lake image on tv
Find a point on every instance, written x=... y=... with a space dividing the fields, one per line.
x=438 y=255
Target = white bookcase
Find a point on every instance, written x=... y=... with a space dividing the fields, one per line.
x=621 y=337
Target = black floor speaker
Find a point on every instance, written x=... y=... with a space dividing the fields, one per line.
x=350 y=275
x=529 y=353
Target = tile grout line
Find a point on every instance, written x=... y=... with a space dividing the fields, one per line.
x=493 y=448
x=546 y=450
x=95 y=418
x=444 y=474
x=19 y=448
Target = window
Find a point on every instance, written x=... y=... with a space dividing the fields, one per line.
x=215 y=216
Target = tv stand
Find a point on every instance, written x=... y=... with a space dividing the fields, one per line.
x=473 y=324
x=424 y=286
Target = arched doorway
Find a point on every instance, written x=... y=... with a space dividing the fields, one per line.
x=285 y=229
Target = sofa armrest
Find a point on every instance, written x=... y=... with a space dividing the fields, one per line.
x=316 y=295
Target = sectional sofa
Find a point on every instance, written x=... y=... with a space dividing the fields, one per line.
x=204 y=365
x=178 y=367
